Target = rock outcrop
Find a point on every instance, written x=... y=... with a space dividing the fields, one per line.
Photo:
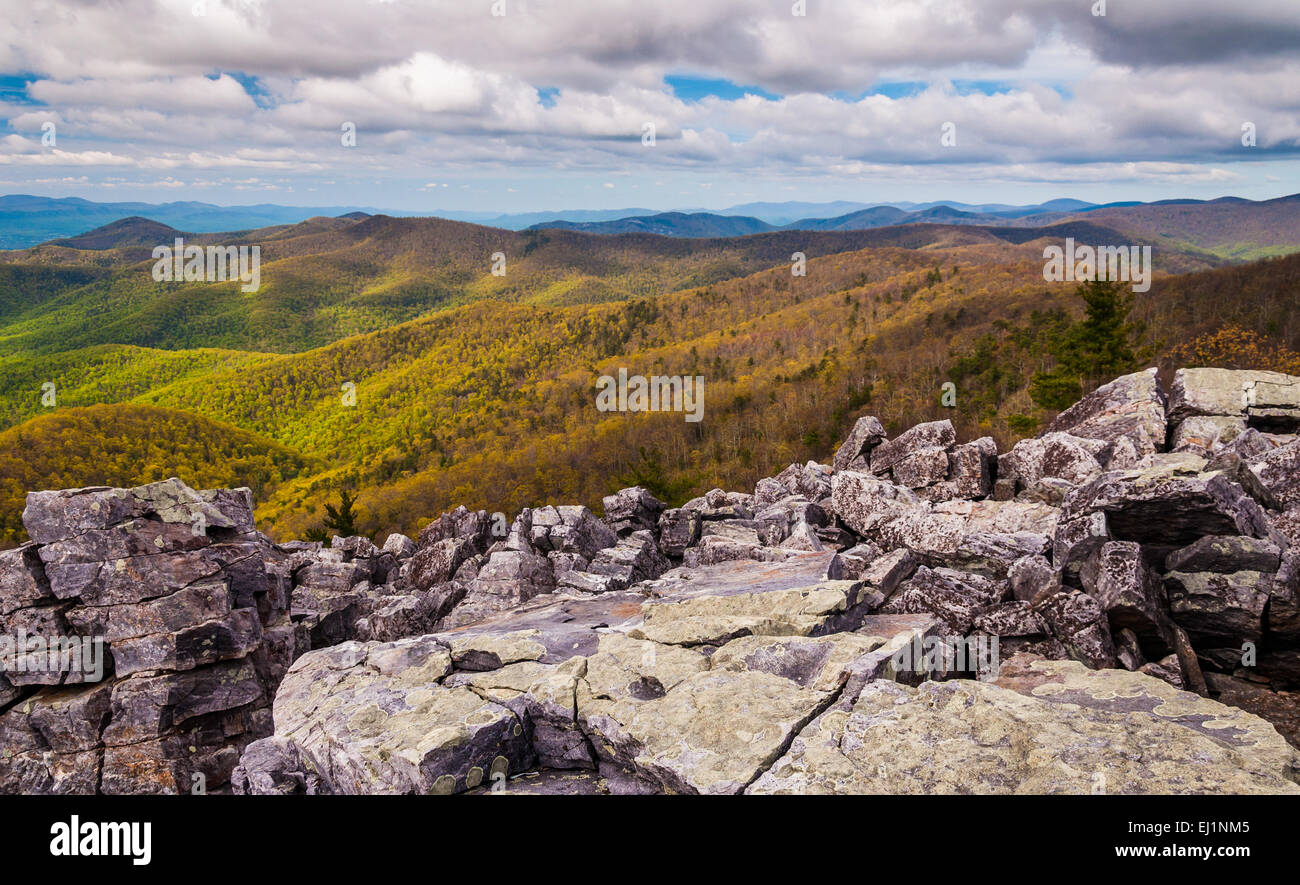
x=170 y=617
x=1113 y=606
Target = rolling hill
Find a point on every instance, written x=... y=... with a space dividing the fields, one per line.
x=668 y=224
x=477 y=389
x=326 y=278
x=1231 y=228
x=26 y=220
x=127 y=444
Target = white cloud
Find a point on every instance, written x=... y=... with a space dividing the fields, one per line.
x=443 y=85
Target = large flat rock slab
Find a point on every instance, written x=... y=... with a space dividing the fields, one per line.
x=1051 y=727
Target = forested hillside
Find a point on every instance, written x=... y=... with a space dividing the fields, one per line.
x=486 y=397
x=125 y=444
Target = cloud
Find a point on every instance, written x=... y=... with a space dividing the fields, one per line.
x=571 y=85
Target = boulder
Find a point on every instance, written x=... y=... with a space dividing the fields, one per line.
x=919 y=441
x=1270 y=399
x=679 y=529
x=1123 y=583
x=854 y=453
x=851 y=564
x=1079 y=623
x=399 y=546
x=1168 y=506
x=181 y=609
x=634 y=559
x=474 y=526
x=1206 y=434
x=1278 y=470
x=632 y=509
x=864 y=503
x=1053 y=455
x=1128 y=414
x=276 y=766
x=574 y=530
x=955 y=598
x=1031 y=575
x=507 y=579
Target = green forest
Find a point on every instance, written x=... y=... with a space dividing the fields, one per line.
x=383 y=359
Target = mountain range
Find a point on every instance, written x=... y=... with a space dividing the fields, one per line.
x=29 y=220
x=384 y=355
x=1217 y=223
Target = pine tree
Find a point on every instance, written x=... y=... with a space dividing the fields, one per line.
x=1102 y=346
x=342 y=520
x=1092 y=351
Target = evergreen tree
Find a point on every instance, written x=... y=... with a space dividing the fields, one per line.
x=341 y=520
x=1092 y=351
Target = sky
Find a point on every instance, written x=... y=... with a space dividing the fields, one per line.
x=530 y=105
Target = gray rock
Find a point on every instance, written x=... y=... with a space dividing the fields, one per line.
x=955 y=598
x=400 y=546
x=1206 y=434
x=579 y=531
x=678 y=529
x=1166 y=506
x=1128 y=413
x=59 y=515
x=1283 y=614
x=403 y=615
x=865 y=503
x=1031 y=575
x=1014 y=618
x=889 y=570
x=1226 y=554
x=1218 y=609
x=474 y=526
x=1128 y=650
x=22 y=579
x=635 y=558
x=718 y=504
x=633 y=509
x=855 y=452
x=1054 y=455
x=1079 y=623
x=922 y=467
x=922 y=437
x=1279 y=471
x=1118 y=576
x=849 y=565
x=1241 y=393
x=276 y=766
x=1077 y=539
x=990 y=554
x=507 y=579
x=1166 y=670
x=436 y=563
x=972 y=468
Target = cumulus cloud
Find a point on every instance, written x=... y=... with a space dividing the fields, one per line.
x=1032 y=88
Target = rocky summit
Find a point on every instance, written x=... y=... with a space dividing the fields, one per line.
x=1112 y=606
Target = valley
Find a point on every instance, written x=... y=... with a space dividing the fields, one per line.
x=481 y=390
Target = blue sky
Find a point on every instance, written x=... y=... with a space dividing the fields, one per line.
x=549 y=105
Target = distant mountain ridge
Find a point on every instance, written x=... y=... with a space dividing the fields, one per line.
x=669 y=224
x=1230 y=228
x=26 y=220
x=1226 y=226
